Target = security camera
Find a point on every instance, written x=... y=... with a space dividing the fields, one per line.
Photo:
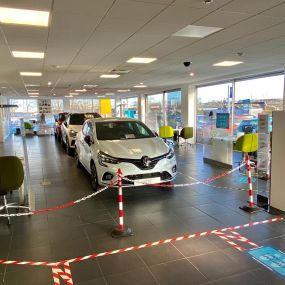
x=187 y=63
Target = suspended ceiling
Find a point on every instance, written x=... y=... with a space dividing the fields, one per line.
x=87 y=38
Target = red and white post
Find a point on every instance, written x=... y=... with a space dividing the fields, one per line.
x=121 y=231
x=250 y=207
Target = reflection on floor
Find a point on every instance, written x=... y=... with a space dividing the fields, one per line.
x=153 y=213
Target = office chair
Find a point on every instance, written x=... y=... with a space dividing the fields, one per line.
x=166 y=132
x=186 y=133
x=11 y=178
x=247 y=144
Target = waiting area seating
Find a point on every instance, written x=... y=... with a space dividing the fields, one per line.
x=186 y=133
x=11 y=178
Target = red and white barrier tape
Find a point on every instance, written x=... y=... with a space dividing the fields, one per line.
x=57 y=273
x=58 y=207
x=216 y=177
x=120 y=199
x=228 y=239
x=150 y=244
x=250 y=190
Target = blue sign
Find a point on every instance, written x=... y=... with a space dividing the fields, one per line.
x=271 y=258
x=223 y=121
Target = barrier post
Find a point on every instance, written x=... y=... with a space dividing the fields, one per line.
x=250 y=208
x=122 y=230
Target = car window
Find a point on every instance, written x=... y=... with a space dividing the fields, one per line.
x=121 y=130
x=79 y=119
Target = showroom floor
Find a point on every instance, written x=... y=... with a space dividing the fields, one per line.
x=153 y=213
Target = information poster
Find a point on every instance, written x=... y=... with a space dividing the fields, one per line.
x=223 y=121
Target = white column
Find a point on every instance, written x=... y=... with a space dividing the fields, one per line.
x=284 y=92
x=141 y=108
x=188 y=107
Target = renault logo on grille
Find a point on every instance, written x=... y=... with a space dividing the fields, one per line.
x=146 y=161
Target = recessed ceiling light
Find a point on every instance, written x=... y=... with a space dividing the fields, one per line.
x=95 y=93
x=80 y=90
x=192 y=74
x=28 y=54
x=54 y=94
x=24 y=17
x=49 y=83
x=33 y=96
x=73 y=93
x=89 y=86
x=27 y=73
x=33 y=93
x=68 y=96
x=192 y=31
x=124 y=90
x=3 y=87
x=140 y=86
x=109 y=94
x=31 y=85
x=141 y=59
x=227 y=63
x=110 y=75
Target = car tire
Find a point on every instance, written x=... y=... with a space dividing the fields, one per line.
x=93 y=177
x=76 y=156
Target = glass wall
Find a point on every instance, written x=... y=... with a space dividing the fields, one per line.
x=212 y=100
x=154 y=111
x=173 y=108
x=164 y=109
x=128 y=107
x=56 y=106
x=80 y=105
x=256 y=96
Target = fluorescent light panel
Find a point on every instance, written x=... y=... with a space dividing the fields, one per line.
x=28 y=73
x=227 y=63
x=33 y=93
x=80 y=90
x=24 y=17
x=124 y=90
x=28 y=54
x=33 y=90
x=140 y=86
x=31 y=85
x=192 y=31
x=141 y=59
x=33 y=96
x=110 y=75
x=73 y=93
x=109 y=94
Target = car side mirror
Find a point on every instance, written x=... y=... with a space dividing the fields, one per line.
x=88 y=140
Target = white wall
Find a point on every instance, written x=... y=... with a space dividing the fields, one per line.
x=277 y=192
x=188 y=107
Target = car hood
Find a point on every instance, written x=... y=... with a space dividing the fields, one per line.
x=134 y=148
x=76 y=128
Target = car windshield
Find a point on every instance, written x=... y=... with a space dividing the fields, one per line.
x=122 y=130
x=79 y=119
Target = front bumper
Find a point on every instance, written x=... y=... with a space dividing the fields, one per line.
x=164 y=171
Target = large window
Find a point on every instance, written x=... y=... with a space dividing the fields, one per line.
x=81 y=105
x=56 y=106
x=128 y=107
x=256 y=96
x=173 y=108
x=210 y=101
x=154 y=111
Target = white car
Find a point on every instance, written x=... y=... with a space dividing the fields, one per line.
x=105 y=145
x=71 y=126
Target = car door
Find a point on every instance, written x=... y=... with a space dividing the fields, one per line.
x=87 y=131
x=81 y=145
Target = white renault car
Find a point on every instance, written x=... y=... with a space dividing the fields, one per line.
x=105 y=145
x=71 y=126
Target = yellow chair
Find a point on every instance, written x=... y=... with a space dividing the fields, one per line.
x=247 y=143
x=186 y=133
x=166 y=132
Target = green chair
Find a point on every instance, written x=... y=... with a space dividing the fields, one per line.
x=11 y=178
x=186 y=133
x=28 y=126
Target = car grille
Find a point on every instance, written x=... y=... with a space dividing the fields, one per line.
x=139 y=162
x=164 y=176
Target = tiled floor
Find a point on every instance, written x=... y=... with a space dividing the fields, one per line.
x=153 y=213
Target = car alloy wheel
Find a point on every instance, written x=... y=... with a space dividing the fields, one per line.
x=94 y=177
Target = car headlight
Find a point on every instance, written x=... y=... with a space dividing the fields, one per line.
x=170 y=153
x=103 y=157
x=72 y=133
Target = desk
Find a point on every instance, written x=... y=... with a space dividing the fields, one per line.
x=219 y=151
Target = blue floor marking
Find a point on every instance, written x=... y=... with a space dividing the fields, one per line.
x=272 y=258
